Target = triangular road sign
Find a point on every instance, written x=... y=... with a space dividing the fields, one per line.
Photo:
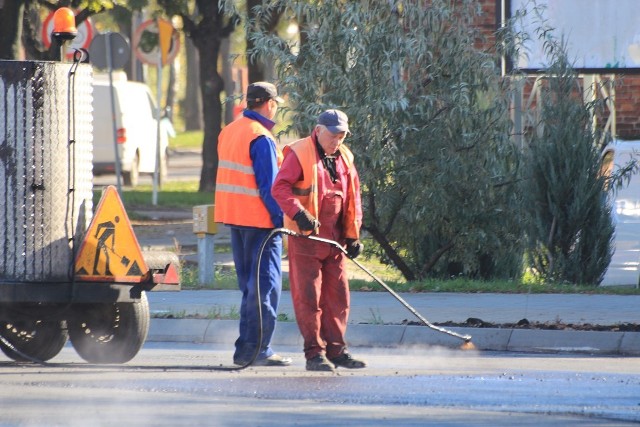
x=165 y=34
x=110 y=251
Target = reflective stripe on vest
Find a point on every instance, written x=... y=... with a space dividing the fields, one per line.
x=304 y=191
x=236 y=166
x=237 y=189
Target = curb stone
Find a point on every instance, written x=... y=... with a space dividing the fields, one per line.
x=359 y=335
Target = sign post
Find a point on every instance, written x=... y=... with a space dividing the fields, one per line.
x=156 y=172
x=156 y=42
x=111 y=50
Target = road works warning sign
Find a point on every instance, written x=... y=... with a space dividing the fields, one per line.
x=110 y=251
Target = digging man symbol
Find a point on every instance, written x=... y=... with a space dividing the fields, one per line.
x=108 y=230
x=110 y=235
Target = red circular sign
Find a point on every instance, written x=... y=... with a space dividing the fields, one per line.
x=147 y=41
x=82 y=40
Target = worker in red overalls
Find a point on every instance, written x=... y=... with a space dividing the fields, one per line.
x=318 y=190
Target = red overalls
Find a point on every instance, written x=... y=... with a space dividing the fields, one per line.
x=319 y=285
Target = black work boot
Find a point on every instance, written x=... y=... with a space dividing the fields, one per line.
x=347 y=361
x=320 y=363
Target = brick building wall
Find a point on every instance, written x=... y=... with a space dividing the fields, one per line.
x=628 y=106
x=627 y=87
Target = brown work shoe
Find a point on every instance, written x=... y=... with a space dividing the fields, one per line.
x=320 y=363
x=273 y=360
x=347 y=361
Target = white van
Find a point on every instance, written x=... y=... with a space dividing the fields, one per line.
x=625 y=263
x=136 y=129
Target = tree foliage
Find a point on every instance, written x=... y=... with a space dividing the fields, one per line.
x=429 y=117
x=256 y=69
x=570 y=229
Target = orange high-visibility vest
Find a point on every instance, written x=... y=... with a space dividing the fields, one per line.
x=306 y=191
x=237 y=198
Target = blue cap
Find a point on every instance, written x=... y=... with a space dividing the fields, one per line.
x=334 y=120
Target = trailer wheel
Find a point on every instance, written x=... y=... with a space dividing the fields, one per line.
x=33 y=340
x=110 y=333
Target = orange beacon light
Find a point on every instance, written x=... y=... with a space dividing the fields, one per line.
x=64 y=24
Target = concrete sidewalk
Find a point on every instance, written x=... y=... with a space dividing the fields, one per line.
x=377 y=318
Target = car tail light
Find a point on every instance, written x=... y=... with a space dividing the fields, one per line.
x=121 y=135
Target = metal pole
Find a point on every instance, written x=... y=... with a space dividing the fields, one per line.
x=113 y=111
x=154 y=197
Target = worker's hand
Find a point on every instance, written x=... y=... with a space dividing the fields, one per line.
x=354 y=248
x=306 y=221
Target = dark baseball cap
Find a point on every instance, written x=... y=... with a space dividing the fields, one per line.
x=335 y=120
x=262 y=91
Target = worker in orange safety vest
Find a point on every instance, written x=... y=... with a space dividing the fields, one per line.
x=248 y=162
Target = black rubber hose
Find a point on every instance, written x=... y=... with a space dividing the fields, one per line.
x=465 y=338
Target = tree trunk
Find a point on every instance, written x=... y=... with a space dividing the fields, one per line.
x=32 y=36
x=229 y=84
x=211 y=86
x=207 y=34
x=11 y=12
x=193 y=101
x=393 y=255
x=125 y=20
x=258 y=70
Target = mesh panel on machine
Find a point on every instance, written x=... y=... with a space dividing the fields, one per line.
x=45 y=180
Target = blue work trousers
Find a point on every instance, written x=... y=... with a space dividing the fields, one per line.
x=246 y=243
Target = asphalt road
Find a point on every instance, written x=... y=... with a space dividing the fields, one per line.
x=182 y=385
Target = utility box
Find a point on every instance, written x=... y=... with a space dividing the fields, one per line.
x=203 y=220
x=205 y=228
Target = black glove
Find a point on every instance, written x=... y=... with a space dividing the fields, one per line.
x=354 y=248
x=306 y=221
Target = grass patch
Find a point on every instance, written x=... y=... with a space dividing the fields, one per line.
x=187 y=140
x=284 y=317
x=214 y=313
x=461 y=285
x=181 y=314
x=376 y=317
x=174 y=194
x=217 y=313
x=224 y=278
